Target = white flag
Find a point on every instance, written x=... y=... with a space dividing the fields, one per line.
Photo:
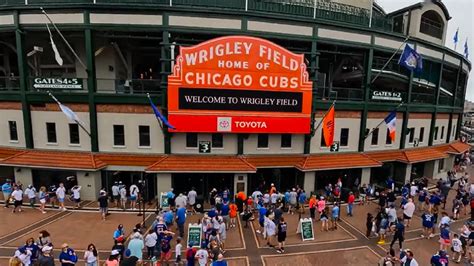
x=70 y=114
x=57 y=56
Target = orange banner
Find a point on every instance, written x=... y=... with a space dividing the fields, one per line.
x=328 y=127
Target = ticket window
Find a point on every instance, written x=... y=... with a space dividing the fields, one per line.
x=240 y=183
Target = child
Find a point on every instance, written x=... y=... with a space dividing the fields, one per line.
x=456 y=248
x=233 y=214
x=76 y=196
x=177 y=250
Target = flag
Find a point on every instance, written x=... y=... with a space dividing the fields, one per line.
x=57 y=56
x=159 y=116
x=456 y=37
x=391 y=121
x=328 y=127
x=466 y=50
x=411 y=60
x=71 y=116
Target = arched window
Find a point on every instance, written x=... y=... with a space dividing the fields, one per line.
x=432 y=24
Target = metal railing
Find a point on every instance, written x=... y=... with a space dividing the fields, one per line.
x=429 y=28
x=128 y=86
x=9 y=83
x=340 y=94
x=315 y=9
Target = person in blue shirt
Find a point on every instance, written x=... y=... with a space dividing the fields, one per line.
x=262 y=212
x=180 y=220
x=399 y=233
x=440 y=259
x=225 y=195
x=302 y=200
x=119 y=232
x=390 y=183
x=7 y=191
x=170 y=195
x=422 y=199
x=287 y=197
x=168 y=217
x=67 y=257
x=435 y=200
x=31 y=246
x=335 y=216
x=428 y=223
x=212 y=213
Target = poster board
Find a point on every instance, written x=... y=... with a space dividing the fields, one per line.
x=306 y=229
x=164 y=201
x=194 y=235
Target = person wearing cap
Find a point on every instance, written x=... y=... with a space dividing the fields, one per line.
x=439 y=259
x=46 y=258
x=103 y=204
x=136 y=246
x=202 y=255
x=113 y=259
x=116 y=193
x=30 y=192
x=7 y=189
x=67 y=257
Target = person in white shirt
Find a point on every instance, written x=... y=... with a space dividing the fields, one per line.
x=123 y=196
x=180 y=201
x=408 y=259
x=202 y=255
x=61 y=194
x=408 y=210
x=222 y=232
x=274 y=198
x=133 y=196
x=178 y=251
x=457 y=248
x=17 y=196
x=269 y=230
x=30 y=191
x=192 y=195
x=24 y=255
x=76 y=196
x=116 y=193
x=150 y=243
x=413 y=189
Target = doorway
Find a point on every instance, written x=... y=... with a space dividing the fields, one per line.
x=146 y=182
x=202 y=182
x=283 y=178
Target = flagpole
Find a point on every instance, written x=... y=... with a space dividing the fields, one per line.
x=64 y=39
x=159 y=121
x=327 y=111
x=77 y=122
x=390 y=59
x=381 y=122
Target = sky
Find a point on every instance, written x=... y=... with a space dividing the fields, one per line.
x=462 y=13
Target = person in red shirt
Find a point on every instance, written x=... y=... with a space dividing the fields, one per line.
x=350 y=203
x=313 y=203
x=233 y=214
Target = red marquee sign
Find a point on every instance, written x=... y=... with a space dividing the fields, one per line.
x=239 y=84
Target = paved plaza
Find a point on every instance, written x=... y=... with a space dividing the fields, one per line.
x=347 y=245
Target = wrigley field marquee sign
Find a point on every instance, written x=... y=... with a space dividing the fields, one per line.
x=239 y=84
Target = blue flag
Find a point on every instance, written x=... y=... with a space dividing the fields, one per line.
x=159 y=116
x=411 y=60
x=466 y=50
x=456 y=37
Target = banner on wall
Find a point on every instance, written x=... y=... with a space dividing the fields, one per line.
x=239 y=84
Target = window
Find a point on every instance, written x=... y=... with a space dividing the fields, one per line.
x=13 y=130
x=435 y=136
x=217 y=140
x=454 y=131
x=388 y=139
x=442 y=133
x=411 y=138
x=119 y=135
x=344 y=140
x=440 y=165
x=191 y=140
x=422 y=134
x=144 y=136
x=375 y=136
x=51 y=132
x=74 y=134
x=262 y=141
x=286 y=140
x=323 y=142
x=432 y=24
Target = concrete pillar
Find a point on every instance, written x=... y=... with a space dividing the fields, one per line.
x=240 y=183
x=90 y=183
x=163 y=183
x=365 y=178
x=23 y=175
x=309 y=182
x=430 y=167
x=408 y=173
